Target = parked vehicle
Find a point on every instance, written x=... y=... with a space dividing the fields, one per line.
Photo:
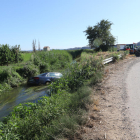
x=44 y=78
x=137 y=53
x=132 y=48
x=127 y=48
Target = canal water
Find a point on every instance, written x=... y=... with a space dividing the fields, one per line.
x=23 y=94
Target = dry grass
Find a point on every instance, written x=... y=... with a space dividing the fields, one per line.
x=96 y=102
x=95 y=108
x=102 y=92
x=105 y=54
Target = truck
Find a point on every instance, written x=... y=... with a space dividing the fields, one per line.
x=131 y=47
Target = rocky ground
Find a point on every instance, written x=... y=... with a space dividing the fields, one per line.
x=108 y=115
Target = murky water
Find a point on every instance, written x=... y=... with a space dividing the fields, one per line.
x=23 y=94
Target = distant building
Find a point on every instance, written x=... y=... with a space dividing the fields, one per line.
x=120 y=46
x=46 y=48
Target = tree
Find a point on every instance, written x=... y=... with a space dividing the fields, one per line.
x=39 y=46
x=34 y=45
x=99 y=36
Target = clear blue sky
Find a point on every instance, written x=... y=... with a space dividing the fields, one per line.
x=60 y=23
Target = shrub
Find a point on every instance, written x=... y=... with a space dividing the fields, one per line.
x=10 y=55
x=124 y=54
x=54 y=59
x=77 y=73
x=28 y=70
x=75 y=53
x=44 y=67
x=10 y=76
x=115 y=57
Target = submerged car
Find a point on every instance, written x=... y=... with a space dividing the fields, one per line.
x=44 y=78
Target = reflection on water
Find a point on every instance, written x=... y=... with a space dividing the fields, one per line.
x=18 y=95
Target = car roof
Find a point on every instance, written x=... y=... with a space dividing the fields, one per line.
x=48 y=72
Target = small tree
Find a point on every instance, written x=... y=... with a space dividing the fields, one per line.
x=99 y=36
x=5 y=54
x=34 y=45
x=38 y=46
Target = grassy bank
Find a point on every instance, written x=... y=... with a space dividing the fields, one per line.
x=39 y=62
x=58 y=116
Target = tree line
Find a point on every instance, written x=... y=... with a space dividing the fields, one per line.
x=10 y=54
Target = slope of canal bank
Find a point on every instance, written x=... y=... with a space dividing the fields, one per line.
x=109 y=115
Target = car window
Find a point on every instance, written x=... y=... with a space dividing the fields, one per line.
x=43 y=74
x=52 y=74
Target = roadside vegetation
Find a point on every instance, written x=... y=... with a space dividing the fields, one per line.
x=62 y=114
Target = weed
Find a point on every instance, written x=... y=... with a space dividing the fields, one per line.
x=124 y=54
x=115 y=57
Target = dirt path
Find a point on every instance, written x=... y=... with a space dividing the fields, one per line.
x=109 y=116
x=133 y=90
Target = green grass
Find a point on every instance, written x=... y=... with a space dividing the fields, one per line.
x=26 y=56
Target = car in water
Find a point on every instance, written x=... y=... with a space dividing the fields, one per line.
x=44 y=78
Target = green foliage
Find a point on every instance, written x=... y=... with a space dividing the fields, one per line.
x=96 y=78
x=77 y=73
x=9 y=78
x=124 y=54
x=57 y=116
x=4 y=87
x=51 y=118
x=77 y=53
x=99 y=36
x=54 y=60
x=44 y=67
x=28 y=70
x=115 y=57
x=112 y=49
x=9 y=55
x=40 y=62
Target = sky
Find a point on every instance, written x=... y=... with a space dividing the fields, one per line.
x=59 y=24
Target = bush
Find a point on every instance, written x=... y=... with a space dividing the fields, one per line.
x=124 y=54
x=77 y=73
x=115 y=57
x=54 y=60
x=75 y=53
x=44 y=67
x=28 y=70
x=10 y=55
x=10 y=76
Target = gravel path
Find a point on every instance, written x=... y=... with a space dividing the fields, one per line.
x=112 y=115
x=133 y=90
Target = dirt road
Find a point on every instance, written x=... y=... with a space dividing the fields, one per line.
x=115 y=112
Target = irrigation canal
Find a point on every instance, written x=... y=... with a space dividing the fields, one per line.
x=22 y=94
